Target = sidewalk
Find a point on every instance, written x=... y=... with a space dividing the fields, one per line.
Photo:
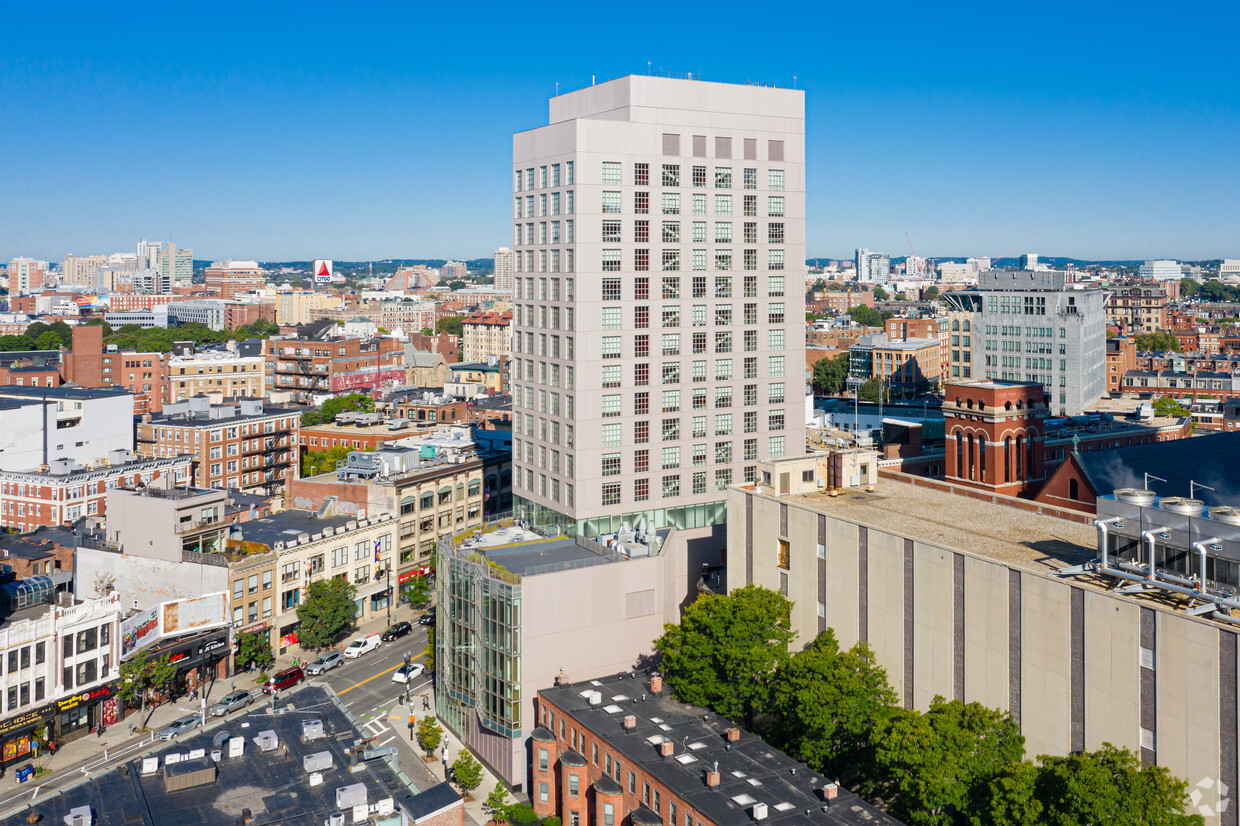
x=402 y=613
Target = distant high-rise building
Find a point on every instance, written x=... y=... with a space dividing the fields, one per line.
x=979 y=264
x=148 y=254
x=658 y=354
x=872 y=267
x=228 y=279
x=1160 y=271
x=82 y=270
x=1028 y=261
x=916 y=267
x=1034 y=326
x=176 y=267
x=503 y=269
x=26 y=276
x=453 y=271
x=1229 y=268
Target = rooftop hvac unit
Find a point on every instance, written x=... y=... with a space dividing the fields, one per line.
x=1179 y=504
x=1135 y=496
x=759 y=811
x=267 y=741
x=1226 y=514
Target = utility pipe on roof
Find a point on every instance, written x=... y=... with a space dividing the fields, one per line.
x=1101 y=525
x=1149 y=537
x=1200 y=547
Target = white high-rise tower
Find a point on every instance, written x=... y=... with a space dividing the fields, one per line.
x=658 y=306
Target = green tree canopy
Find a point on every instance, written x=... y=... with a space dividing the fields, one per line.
x=254 y=648
x=330 y=409
x=930 y=766
x=827 y=703
x=322 y=461
x=830 y=374
x=429 y=734
x=453 y=324
x=930 y=293
x=872 y=389
x=497 y=804
x=327 y=613
x=467 y=772
x=727 y=650
x=879 y=293
x=418 y=591
x=1157 y=343
x=9 y=344
x=1167 y=406
x=866 y=316
x=428 y=653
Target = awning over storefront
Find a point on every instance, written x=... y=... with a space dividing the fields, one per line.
x=187 y=653
x=25 y=721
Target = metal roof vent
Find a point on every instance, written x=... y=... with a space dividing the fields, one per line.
x=759 y=811
x=1135 y=496
x=1179 y=504
x=1226 y=514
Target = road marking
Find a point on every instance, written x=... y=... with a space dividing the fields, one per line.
x=380 y=674
x=385 y=742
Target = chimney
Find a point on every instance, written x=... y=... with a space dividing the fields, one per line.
x=712 y=779
x=630 y=723
x=656 y=685
x=830 y=791
x=733 y=734
x=667 y=748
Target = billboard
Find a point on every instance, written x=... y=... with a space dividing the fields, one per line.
x=172 y=619
x=322 y=271
x=182 y=616
x=139 y=631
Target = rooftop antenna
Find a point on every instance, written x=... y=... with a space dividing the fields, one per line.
x=794 y=81
x=557 y=88
x=592 y=80
x=1192 y=486
x=1149 y=476
x=647 y=67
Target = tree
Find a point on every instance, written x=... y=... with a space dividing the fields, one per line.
x=872 y=389
x=48 y=341
x=418 y=591
x=330 y=409
x=323 y=461
x=866 y=316
x=727 y=650
x=879 y=293
x=1157 y=343
x=497 y=804
x=1189 y=288
x=830 y=374
x=457 y=285
x=820 y=284
x=254 y=648
x=105 y=583
x=1009 y=799
x=430 y=734
x=327 y=613
x=140 y=675
x=1110 y=786
x=453 y=324
x=930 y=294
x=467 y=772
x=9 y=344
x=828 y=702
x=930 y=766
x=1167 y=406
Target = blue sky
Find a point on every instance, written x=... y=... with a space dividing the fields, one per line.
x=356 y=131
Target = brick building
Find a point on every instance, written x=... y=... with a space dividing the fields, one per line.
x=1138 y=308
x=241 y=444
x=89 y=364
x=228 y=279
x=446 y=344
x=603 y=756
x=221 y=373
x=1121 y=357
x=994 y=431
x=839 y=301
x=304 y=368
x=129 y=302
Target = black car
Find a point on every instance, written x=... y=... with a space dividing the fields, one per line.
x=400 y=629
x=428 y=618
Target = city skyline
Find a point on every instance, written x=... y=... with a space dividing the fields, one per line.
x=981 y=134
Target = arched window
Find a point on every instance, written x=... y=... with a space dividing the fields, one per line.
x=972 y=459
x=1019 y=454
x=1007 y=458
x=966 y=326
x=959 y=454
x=1074 y=491
x=1007 y=405
x=956 y=326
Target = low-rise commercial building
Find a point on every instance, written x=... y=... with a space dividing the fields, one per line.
x=218 y=373
x=42 y=425
x=622 y=749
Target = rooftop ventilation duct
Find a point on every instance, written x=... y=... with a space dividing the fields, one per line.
x=1178 y=504
x=1226 y=514
x=1135 y=496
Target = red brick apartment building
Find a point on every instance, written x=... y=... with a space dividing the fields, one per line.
x=228 y=279
x=239 y=445
x=1138 y=308
x=621 y=751
x=304 y=368
x=89 y=365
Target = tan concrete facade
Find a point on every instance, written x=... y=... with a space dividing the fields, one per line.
x=1075 y=664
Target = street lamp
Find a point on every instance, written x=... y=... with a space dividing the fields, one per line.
x=389 y=593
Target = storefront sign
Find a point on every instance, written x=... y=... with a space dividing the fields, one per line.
x=421 y=570
x=100 y=693
x=24 y=720
x=139 y=631
x=212 y=645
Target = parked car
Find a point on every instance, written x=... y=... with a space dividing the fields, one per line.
x=363 y=645
x=400 y=629
x=178 y=726
x=408 y=673
x=325 y=663
x=231 y=702
x=428 y=618
x=287 y=678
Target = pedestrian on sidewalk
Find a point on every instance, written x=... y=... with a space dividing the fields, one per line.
x=426 y=702
x=51 y=748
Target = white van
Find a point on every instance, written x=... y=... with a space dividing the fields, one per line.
x=362 y=645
